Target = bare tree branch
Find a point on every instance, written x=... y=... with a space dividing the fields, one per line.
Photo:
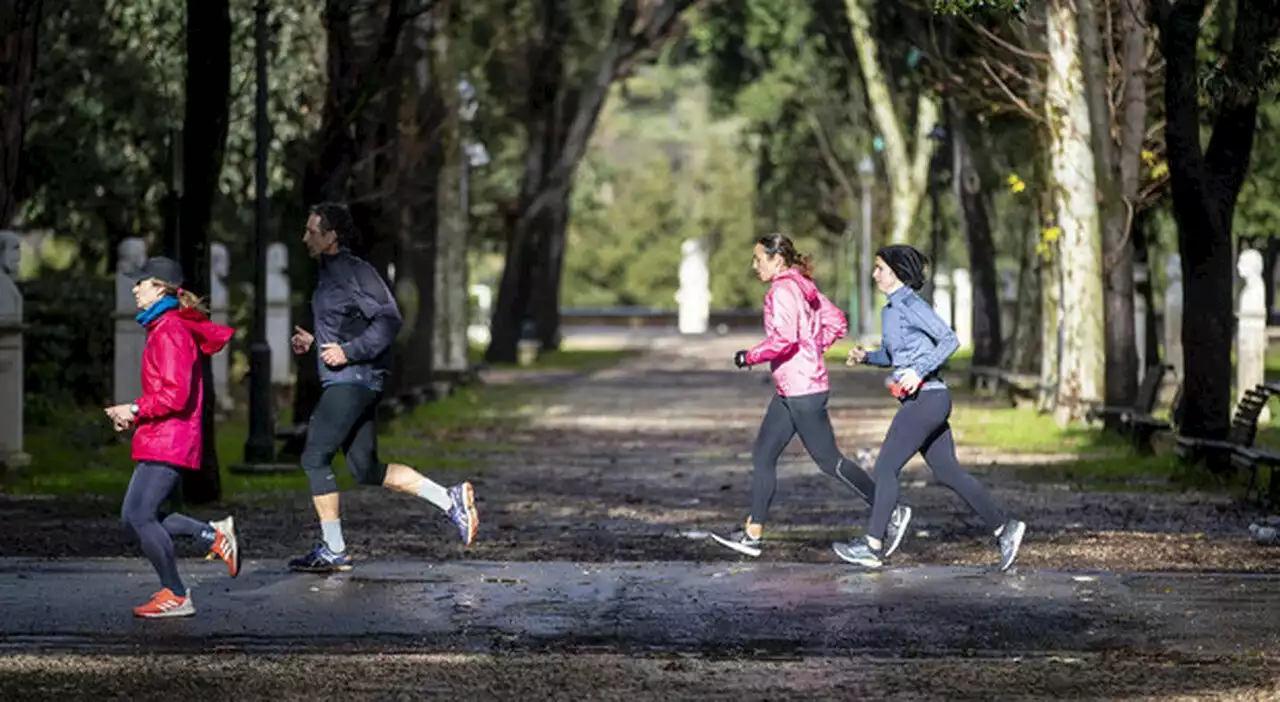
x=1022 y=105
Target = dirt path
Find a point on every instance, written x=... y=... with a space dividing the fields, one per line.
x=622 y=463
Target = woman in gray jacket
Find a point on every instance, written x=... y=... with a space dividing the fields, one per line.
x=915 y=344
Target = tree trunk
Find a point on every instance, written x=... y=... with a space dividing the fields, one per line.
x=546 y=293
x=1121 y=358
x=451 y=349
x=19 y=32
x=1024 y=347
x=353 y=79
x=1205 y=186
x=1079 y=254
x=204 y=140
x=549 y=172
x=907 y=165
x=972 y=199
x=422 y=157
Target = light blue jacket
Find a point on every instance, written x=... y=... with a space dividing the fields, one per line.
x=915 y=337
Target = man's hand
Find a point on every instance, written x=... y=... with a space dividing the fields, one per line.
x=301 y=341
x=856 y=355
x=740 y=359
x=121 y=416
x=333 y=355
x=909 y=381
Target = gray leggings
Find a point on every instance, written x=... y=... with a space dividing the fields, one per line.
x=921 y=426
x=807 y=416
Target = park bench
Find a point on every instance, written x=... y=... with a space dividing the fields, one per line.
x=1239 y=442
x=990 y=380
x=1136 y=422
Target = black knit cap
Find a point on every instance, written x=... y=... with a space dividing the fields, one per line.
x=906 y=263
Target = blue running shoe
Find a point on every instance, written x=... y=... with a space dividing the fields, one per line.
x=321 y=560
x=463 y=513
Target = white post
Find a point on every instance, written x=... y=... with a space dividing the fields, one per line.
x=219 y=268
x=279 y=323
x=964 y=308
x=1173 y=314
x=130 y=337
x=11 y=369
x=478 y=328
x=1140 y=319
x=694 y=296
x=1251 y=327
x=942 y=296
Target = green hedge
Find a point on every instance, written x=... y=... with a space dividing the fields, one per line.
x=68 y=345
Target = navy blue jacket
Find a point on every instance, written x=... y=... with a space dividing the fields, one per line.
x=914 y=337
x=352 y=307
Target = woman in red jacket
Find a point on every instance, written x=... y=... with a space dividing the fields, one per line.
x=168 y=434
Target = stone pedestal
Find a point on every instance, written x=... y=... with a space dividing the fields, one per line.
x=219 y=307
x=11 y=368
x=963 y=322
x=130 y=337
x=279 y=321
x=1173 y=315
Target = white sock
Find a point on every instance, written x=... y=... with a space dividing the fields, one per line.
x=435 y=493
x=333 y=535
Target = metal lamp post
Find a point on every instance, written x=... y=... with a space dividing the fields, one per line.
x=260 y=448
x=866 y=170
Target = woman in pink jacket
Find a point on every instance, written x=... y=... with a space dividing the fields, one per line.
x=800 y=324
x=168 y=436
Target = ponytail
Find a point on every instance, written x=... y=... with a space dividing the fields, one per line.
x=781 y=245
x=187 y=299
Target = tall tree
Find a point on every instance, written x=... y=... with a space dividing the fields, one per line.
x=906 y=161
x=361 y=44
x=1079 y=250
x=19 y=29
x=1121 y=364
x=204 y=141
x=1206 y=184
x=561 y=119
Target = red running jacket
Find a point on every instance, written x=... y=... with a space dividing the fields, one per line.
x=168 y=422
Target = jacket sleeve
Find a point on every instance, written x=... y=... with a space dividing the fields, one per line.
x=175 y=356
x=831 y=321
x=379 y=307
x=879 y=357
x=944 y=339
x=784 y=326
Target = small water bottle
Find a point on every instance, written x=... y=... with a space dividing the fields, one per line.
x=895 y=387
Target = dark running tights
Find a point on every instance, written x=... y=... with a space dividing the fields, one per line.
x=807 y=416
x=151 y=484
x=921 y=425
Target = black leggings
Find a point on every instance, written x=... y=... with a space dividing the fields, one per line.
x=921 y=425
x=150 y=485
x=807 y=416
x=343 y=418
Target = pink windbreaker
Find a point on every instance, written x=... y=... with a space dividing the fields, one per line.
x=800 y=324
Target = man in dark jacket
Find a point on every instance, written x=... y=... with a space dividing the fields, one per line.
x=356 y=321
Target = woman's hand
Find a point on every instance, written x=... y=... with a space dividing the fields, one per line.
x=856 y=355
x=909 y=381
x=121 y=416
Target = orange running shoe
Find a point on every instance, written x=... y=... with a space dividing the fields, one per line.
x=166 y=604
x=225 y=545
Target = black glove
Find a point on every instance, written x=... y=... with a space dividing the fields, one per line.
x=740 y=359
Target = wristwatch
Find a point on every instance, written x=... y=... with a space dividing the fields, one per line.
x=133 y=408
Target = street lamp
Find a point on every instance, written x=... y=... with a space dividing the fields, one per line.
x=866 y=171
x=260 y=446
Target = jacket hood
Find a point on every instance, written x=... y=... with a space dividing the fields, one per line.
x=209 y=336
x=807 y=287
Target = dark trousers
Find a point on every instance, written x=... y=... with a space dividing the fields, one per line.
x=150 y=486
x=344 y=418
x=921 y=426
x=807 y=416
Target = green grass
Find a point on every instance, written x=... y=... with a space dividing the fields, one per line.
x=79 y=454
